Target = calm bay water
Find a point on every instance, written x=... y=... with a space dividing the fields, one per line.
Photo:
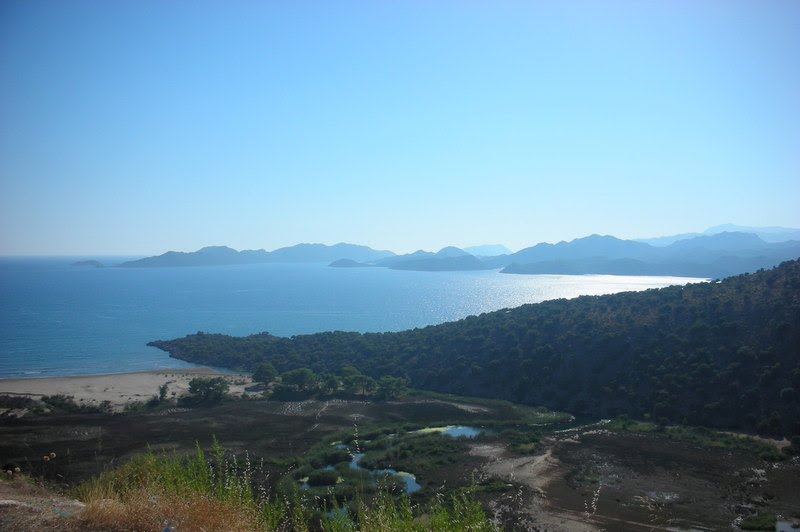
x=58 y=319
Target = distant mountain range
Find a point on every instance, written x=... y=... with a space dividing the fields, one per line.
x=446 y=259
x=221 y=255
x=581 y=248
x=88 y=264
x=718 y=255
x=767 y=234
x=713 y=253
x=490 y=250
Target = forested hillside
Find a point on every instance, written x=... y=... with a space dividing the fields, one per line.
x=724 y=354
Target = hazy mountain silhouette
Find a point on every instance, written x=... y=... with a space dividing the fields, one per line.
x=771 y=234
x=348 y=263
x=221 y=255
x=449 y=258
x=593 y=246
x=767 y=234
x=451 y=252
x=716 y=255
x=704 y=249
x=442 y=263
x=726 y=240
x=488 y=250
x=323 y=253
x=417 y=255
x=207 y=256
x=89 y=264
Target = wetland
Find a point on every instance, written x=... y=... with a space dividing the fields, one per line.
x=530 y=468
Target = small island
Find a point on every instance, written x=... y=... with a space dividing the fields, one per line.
x=348 y=263
x=89 y=264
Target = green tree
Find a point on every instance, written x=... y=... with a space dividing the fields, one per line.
x=329 y=383
x=265 y=373
x=349 y=370
x=300 y=379
x=390 y=388
x=363 y=384
x=208 y=389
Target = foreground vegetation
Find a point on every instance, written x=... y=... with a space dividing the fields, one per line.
x=221 y=492
x=309 y=478
x=306 y=478
x=720 y=354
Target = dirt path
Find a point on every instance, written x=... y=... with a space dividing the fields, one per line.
x=319 y=414
x=533 y=472
x=780 y=444
x=25 y=506
x=472 y=409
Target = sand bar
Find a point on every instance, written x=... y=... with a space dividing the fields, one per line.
x=119 y=388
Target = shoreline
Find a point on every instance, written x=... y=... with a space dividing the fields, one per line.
x=199 y=369
x=187 y=369
x=119 y=389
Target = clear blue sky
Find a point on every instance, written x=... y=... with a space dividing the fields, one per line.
x=134 y=127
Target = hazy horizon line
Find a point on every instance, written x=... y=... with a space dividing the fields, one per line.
x=376 y=248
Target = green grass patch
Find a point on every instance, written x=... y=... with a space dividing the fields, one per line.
x=523 y=440
x=700 y=436
x=503 y=410
x=630 y=425
x=759 y=521
x=152 y=479
x=415 y=453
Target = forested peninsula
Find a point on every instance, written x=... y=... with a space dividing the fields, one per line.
x=720 y=354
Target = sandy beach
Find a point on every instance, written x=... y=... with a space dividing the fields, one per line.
x=119 y=388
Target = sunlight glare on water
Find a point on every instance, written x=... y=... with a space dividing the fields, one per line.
x=59 y=320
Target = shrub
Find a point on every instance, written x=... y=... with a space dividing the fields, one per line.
x=66 y=404
x=265 y=373
x=323 y=477
x=208 y=389
x=759 y=521
x=16 y=401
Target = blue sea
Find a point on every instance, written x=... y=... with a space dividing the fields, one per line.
x=59 y=319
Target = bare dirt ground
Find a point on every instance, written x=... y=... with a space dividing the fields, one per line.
x=462 y=406
x=601 y=480
x=26 y=506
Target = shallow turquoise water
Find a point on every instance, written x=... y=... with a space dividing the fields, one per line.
x=408 y=479
x=461 y=431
